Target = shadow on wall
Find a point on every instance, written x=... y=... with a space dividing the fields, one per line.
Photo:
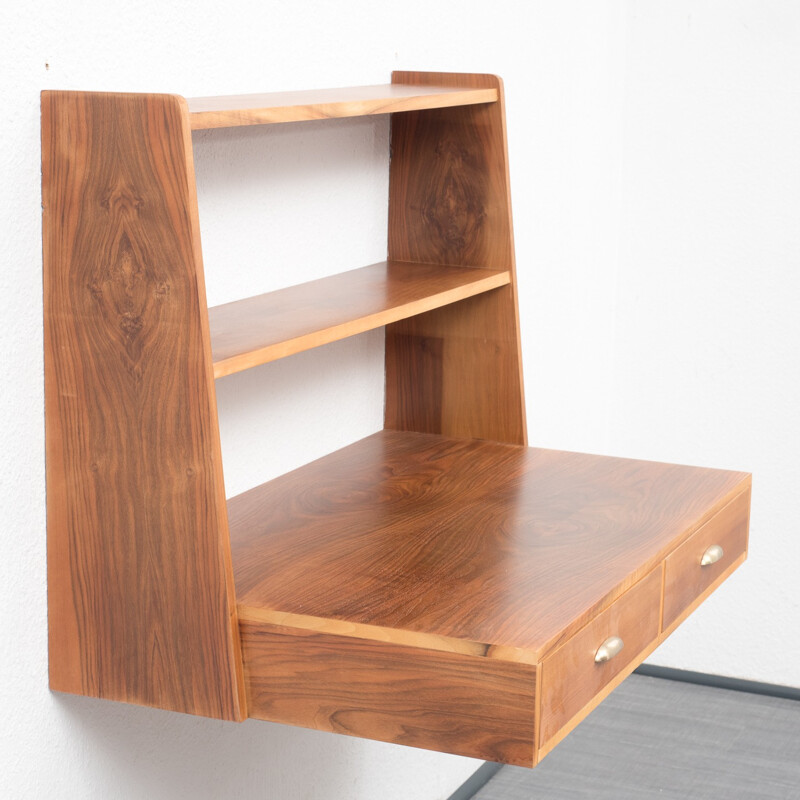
x=143 y=752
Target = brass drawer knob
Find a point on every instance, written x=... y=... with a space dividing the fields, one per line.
x=712 y=555
x=608 y=649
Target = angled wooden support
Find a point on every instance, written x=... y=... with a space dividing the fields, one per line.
x=456 y=370
x=141 y=600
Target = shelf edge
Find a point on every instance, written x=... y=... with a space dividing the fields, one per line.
x=380 y=633
x=277 y=350
x=272 y=115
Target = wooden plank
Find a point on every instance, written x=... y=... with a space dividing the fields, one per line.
x=140 y=588
x=508 y=547
x=423 y=698
x=457 y=370
x=260 y=329
x=352 y=101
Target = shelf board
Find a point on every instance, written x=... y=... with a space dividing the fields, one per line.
x=264 y=328
x=460 y=545
x=352 y=101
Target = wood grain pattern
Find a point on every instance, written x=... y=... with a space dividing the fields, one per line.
x=506 y=546
x=440 y=701
x=547 y=746
x=377 y=633
x=570 y=676
x=685 y=578
x=352 y=101
x=699 y=599
x=260 y=329
x=458 y=370
x=140 y=598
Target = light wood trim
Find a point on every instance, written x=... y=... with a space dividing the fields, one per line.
x=261 y=329
x=140 y=591
x=378 y=633
x=537 y=722
x=353 y=101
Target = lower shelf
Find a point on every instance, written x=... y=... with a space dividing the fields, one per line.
x=452 y=594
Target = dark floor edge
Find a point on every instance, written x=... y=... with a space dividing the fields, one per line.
x=476 y=781
x=719 y=681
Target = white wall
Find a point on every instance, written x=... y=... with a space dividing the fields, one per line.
x=656 y=191
x=707 y=338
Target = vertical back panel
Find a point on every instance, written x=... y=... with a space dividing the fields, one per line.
x=141 y=600
x=456 y=370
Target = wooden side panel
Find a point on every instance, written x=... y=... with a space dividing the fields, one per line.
x=140 y=598
x=449 y=702
x=456 y=370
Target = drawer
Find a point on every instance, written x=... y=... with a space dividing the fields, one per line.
x=686 y=578
x=572 y=678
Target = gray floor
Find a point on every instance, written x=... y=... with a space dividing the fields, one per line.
x=655 y=738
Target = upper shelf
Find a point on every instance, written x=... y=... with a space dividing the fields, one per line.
x=259 y=329
x=352 y=101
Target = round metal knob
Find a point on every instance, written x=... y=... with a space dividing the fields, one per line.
x=712 y=555
x=608 y=649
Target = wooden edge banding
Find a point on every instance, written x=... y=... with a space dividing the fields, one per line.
x=357 y=630
x=537 y=722
x=273 y=352
x=449 y=702
x=227 y=118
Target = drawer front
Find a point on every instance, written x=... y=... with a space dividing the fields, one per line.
x=686 y=578
x=571 y=677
